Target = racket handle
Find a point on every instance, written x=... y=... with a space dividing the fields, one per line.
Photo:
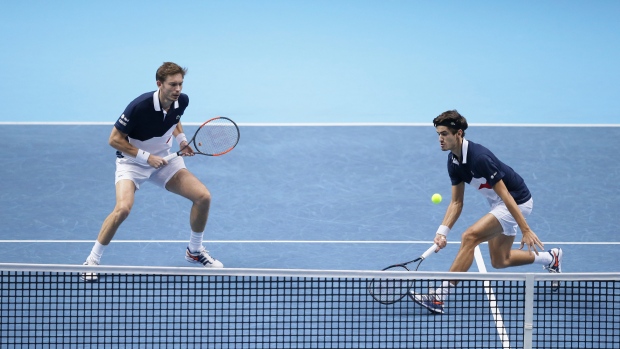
x=171 y=156
x=429 y=251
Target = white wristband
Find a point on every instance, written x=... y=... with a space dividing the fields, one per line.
x=443 y=230
x=143 y=156
x=181 y=137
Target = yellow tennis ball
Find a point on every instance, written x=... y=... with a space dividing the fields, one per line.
x=436 y=198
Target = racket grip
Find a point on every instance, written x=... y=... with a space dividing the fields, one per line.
x=171 y=156
x=429 y=251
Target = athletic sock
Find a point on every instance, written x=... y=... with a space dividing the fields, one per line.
x=544 y=258
x=195 y=241
x=97 y=252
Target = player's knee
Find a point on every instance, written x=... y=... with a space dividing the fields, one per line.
x=500 y=262
x=122 y=212
x=204 y=199
x=470 y=238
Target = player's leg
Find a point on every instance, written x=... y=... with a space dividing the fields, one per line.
x=125 y=194
x=501 y=249
x=503 y=255
x=185 y=184
x=486 y=228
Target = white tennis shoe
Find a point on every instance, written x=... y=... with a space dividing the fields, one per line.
x=203 y=257
x=89 y=276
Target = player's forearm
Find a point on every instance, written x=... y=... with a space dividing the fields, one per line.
x=453 y=212
x=118 y=141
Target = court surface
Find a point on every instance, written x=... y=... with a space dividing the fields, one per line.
x=308 y=197
x=318 y=197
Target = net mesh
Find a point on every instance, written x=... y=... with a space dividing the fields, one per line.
x=42 y=309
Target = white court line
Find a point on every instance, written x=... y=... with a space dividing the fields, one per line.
x=396 y=242
x=497 y=316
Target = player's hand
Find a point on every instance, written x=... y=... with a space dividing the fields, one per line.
x=186 y=150
x=156 y=161
x=441 y=241
x=532 y=242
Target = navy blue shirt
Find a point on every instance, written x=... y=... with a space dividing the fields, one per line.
x=147 y=126
x=482 y=169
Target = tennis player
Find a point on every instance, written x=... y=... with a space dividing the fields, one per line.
x=142 y=136
x=510 y=200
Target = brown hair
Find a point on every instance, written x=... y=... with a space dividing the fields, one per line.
x=167 y=69
x=452 y=120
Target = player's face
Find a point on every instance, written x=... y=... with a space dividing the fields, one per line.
x=447 y=140
x=170 y=89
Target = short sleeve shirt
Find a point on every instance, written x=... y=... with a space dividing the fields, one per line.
x=482 y=169
x=146 y=124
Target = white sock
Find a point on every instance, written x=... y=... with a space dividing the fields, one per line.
x=97 y=252
x=544 y=258
x=195 y=241
x=442 y=292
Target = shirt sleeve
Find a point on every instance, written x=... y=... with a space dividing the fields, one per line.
x=126 y=121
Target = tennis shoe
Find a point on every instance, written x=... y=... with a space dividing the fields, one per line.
x=430 y=302
x=555 y=266
x=203 y=257
x=89 y=276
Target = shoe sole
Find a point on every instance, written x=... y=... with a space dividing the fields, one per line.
x=89 y=277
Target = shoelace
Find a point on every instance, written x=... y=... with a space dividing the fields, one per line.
x=203 y=252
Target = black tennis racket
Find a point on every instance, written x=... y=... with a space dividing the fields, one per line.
x=389 y=291
x=215 y=137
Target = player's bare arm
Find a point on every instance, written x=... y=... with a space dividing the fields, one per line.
x=530 y=239
x=453 y=212
x=118 y=140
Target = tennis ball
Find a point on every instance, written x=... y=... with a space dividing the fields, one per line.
x=436 y=198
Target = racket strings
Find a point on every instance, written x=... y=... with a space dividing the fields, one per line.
x=217 y=136
x=388 y=291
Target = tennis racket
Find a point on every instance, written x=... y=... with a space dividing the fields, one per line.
x=215 y=137
x=389 y=291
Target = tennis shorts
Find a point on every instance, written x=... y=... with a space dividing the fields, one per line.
x=127 y=168
x=509 y=224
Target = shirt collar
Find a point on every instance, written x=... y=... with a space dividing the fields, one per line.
x=464 y=148
x=156 y=101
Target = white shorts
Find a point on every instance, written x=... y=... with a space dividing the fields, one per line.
x=509 y=224
x=138 y=173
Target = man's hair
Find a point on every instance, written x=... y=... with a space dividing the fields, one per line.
x=167 y=69
x=452 y=120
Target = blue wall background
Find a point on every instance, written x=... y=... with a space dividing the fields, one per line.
x=316 y=61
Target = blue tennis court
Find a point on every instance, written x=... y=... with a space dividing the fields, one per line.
x=327 y=197
x=350 y=198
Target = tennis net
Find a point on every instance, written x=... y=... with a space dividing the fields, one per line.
x=48 y=306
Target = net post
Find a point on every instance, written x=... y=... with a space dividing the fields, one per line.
x=528 y=316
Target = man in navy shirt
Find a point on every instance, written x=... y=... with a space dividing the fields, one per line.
x=510 y=201
x=142 y=136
